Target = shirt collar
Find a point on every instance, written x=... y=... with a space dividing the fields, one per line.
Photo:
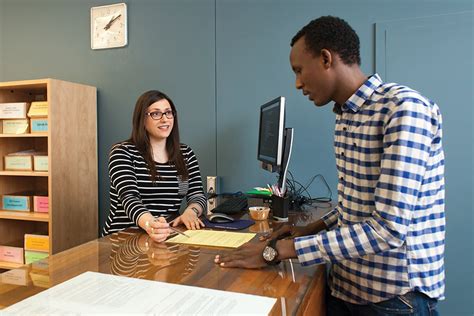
x=357 y=100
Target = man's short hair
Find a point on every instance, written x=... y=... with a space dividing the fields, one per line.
x=334 y=34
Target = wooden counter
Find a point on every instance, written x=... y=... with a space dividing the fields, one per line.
x=299 y=290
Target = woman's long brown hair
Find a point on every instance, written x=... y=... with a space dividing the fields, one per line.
x=141 y=139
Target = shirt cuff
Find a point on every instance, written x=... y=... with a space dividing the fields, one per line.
x=307 y=250
x=330 y=218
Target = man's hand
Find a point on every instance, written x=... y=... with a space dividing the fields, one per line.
x=282 y=232
x=289 y=231
x=248 y=256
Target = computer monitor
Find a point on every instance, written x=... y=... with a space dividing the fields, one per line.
x=274 y=140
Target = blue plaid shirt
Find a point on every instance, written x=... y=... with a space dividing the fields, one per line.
x=386 y=235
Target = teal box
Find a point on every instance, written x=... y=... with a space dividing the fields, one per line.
x=39 y=125
x=16 y=203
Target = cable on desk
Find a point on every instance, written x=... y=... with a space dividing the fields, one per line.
x=300 y=195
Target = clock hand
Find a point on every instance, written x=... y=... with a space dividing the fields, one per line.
x=108 y=25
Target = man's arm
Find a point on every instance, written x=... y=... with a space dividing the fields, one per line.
x=407 y=139
x=406 y=149
x=250 y=255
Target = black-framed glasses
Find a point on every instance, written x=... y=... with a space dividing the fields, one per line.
x=157 y=115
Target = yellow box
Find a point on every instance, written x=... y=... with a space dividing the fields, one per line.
x=40 y=279
x=19 y=126
x=37 y=242
x=38 y=109
x=15 y=162
x=40 y=162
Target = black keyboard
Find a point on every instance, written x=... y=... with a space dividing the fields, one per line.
x=232 y=205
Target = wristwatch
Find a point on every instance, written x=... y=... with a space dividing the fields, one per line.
x=195 y=210
x=270 y=254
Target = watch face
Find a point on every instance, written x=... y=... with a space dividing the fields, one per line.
x=269 y=254
x=109 y=26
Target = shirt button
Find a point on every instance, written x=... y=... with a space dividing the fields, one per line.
x=355 y=145
x=344 y=128
x=341 y=178
x=342 y=154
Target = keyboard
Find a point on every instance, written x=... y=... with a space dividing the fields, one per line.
x=232 y=205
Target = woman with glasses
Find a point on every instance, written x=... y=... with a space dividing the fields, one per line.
x=152 y=172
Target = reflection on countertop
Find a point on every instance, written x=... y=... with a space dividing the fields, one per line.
x=134 y=254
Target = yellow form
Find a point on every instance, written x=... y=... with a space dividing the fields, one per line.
x=212 y=238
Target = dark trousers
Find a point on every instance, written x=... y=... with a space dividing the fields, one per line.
x=411 y=303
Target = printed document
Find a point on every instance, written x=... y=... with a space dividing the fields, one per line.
x=97 y=293
x=212 y=238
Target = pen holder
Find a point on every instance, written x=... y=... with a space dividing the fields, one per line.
x=280 y=206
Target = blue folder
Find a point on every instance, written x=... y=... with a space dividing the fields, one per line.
x=235 y=225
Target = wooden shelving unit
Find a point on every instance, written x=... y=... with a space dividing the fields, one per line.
x=9 y=265
x=25 y=135
x=71 y=182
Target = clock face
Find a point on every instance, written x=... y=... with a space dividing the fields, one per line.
x=109 y=26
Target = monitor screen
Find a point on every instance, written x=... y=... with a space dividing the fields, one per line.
x=271 y=132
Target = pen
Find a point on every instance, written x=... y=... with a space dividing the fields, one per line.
x=179 y=232
x=147 y=224
x=175 y=229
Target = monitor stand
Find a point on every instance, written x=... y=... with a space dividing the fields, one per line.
x=288 y=139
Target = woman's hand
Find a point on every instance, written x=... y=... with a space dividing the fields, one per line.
x=159 y=254
x=158 y=229
x=190 y=219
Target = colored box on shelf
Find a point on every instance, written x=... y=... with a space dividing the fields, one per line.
x=16 y=277
x=35 y=243
x=11 y=254
x=16 y=202
x=40 y=279
x=15 y=127
x=42 y=266
x=18 y=162
x=33 y=256
x=38 y=109
x=39 y=125
x=40 y=203
x=14 y=110
x=40 y=162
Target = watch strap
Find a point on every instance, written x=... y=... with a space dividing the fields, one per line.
x=272 y=244
x=195 y=210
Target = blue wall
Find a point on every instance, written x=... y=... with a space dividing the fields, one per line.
x=219 y=60
x=2 y=29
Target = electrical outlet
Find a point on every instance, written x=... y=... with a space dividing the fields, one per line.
x=211 y=190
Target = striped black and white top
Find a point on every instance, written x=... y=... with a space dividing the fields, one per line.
x=132 y=192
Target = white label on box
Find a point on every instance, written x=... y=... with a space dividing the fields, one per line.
x=15 y=126
x=16 y=110
x=18 y=163
x=40 y=163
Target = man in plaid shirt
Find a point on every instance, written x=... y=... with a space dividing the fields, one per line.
x=385 y=237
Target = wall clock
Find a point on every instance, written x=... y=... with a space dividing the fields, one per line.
x=109 y=26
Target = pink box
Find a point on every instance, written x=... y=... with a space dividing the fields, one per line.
x=11 y=254
x=40 y=204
